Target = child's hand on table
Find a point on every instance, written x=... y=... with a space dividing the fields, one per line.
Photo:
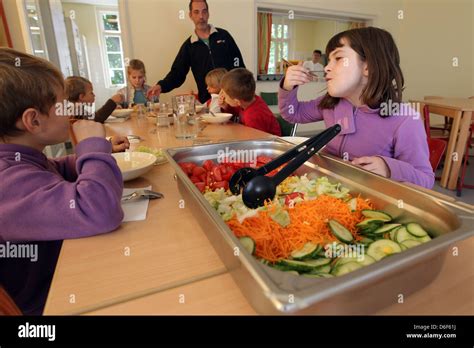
x=118 y=98
x=296 y=75
x=373 y=164
x=119 y=143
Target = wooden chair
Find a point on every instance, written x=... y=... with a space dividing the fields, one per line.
x=447 y=121
x=437 y=147
x=7 y=305
x=465 y=163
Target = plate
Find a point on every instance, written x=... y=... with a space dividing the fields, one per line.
x=199 y=107
x=219 y=117
x=134 y=164
x=121 y=113
x=295 y=140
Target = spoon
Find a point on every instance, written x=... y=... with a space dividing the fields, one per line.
x=141 y=193
x=262 y=188
x=242 y=176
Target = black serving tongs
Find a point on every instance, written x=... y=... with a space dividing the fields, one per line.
x=257 y=188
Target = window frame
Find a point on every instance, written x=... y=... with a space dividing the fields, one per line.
x=279 y=42
x=103 y=35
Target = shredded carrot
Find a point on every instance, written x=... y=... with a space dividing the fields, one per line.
x=308 y=224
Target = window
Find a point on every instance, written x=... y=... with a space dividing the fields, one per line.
x=36 y=29
x=280 y=44
x=112 y=48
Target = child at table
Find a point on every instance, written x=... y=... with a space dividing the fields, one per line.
x=136 y=90
x=364 y=80
x=80 y=91
x=47 y=200
x=213 y=82
x=238 y=90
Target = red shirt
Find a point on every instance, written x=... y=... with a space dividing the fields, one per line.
x=258 y=115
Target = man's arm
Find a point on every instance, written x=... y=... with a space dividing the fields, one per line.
x=178 y=72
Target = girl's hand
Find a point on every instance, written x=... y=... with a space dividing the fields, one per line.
x=296 y=75
x=373 y=164
x=119 y=143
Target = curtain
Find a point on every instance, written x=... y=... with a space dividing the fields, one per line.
x=357 y=25
x=264 y=41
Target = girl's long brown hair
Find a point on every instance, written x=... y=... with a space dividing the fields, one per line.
x=377 y=48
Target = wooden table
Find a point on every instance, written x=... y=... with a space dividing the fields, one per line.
x=460 y=110
x=173 y=268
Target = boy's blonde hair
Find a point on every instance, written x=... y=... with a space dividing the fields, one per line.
x=75 y=86
x=25 y=82
x=214 y=77
x=239 y=84
x=136 y=64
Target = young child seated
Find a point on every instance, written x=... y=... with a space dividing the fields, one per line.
x=136 y=90
x=81 y=92
x=45 y=201
x=364 y=77
x=213 y=82
x=238 y=90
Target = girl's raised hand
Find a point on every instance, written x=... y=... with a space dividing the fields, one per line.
x=373 y=164
x=296 y=75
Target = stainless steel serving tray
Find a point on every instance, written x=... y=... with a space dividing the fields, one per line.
x=363 y=291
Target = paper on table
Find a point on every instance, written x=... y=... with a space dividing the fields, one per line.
x=112 y=119
x=135 y=210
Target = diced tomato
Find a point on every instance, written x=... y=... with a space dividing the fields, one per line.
x=201 y=186
x=208 y=165
x=197 y=171
x=227 y=176
x=217 y=174
x=187 y=167
x=292 y=196
x=221 y=184
x=223 y=169
x=209 y=180
x=195 y=179
x=203 y=176
x=263 y=160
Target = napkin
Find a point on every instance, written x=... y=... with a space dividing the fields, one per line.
x=135 y=210
x=112 y=119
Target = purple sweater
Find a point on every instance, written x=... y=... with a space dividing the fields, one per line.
x=45 y=201
x=399 y=139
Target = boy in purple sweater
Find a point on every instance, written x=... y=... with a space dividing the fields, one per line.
x=45 y=201
x=365 y=85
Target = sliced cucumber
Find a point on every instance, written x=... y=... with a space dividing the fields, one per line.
x=340 y=232
x=352 y=204
x=386 y=228
x=369 y=225
x=317 y=275
x=409 y=243
x=424 y=239
x=300 y=266
x=292 y=272
x=309 y=250
x=322 y=269
x=416 y=230
x=318 y=262
x=377 y=215
x=364 y=260
x=394 y=232
x=382 y=248
x=248 y=243
x=402 y=235
x=346 y=268
x=366 y=240
x=403 y=247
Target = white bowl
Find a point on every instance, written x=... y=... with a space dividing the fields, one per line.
x=134 y=164
x=295 y=140
x=119 y=113
x=199 y=107
x=219 y=117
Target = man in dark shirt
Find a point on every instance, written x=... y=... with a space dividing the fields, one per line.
x=206 y=49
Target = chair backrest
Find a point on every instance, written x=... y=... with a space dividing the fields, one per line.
x=287 y=128
x=270 y=98
x=437 y=147
x=7 y=306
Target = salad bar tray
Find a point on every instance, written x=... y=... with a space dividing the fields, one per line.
x=273 y=289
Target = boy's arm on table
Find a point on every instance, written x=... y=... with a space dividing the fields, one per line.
x=54 y=209
x=411 y=155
